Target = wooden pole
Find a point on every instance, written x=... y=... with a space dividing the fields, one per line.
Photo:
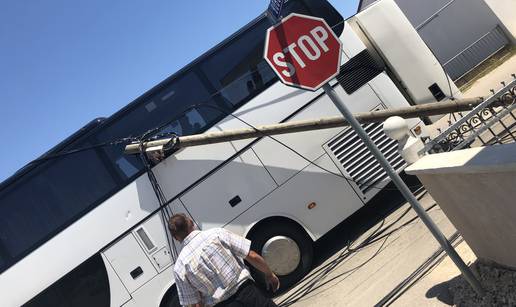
x=416 y=111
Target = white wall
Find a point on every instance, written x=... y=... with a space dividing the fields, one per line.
x=475 y=189
x=504 y=10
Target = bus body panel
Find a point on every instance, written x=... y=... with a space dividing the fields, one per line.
x=228 y=192
x=134 y=268
x=119 y=294
x=283 y=163
x=151 y=238
x=82 y=239
x=153 y=292
x=183 y=168
x=333 y=196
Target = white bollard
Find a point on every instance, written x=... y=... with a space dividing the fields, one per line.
x=396 y=128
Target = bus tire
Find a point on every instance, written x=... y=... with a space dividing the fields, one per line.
x=284 y=234
x=170 y=299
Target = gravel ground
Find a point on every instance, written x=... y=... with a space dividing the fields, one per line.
x=500 y=285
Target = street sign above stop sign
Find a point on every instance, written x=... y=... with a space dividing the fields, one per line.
x=303 y=51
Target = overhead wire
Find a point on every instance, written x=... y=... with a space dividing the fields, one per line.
x=61 y=154
x=151 y=134
x=162 y=200
x=264 y=134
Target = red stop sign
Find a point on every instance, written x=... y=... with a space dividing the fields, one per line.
x=303 y=51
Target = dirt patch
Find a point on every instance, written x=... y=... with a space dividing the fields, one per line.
x=466 y=81
x=499 y=284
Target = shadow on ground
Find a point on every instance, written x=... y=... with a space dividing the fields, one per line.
x=383 y=204
x=499 y=284
x=442 y=292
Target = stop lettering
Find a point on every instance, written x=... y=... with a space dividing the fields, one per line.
x=303 y=51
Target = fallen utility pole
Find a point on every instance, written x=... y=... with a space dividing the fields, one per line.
x=416 y=111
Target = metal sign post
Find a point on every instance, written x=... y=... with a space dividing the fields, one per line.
x=405 y=191
x=305 y=52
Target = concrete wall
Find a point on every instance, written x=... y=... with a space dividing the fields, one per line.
x=475 y=188
x=456 y=27
x=505 y=10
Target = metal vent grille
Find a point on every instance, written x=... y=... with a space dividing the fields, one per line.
x=356 y=160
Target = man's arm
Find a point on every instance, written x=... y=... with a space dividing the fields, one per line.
x=259 y=263
x=241 y=247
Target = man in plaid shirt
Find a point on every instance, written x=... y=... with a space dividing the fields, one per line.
x=210 y=270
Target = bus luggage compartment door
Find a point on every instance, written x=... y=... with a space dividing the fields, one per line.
x=130 y=262
x=228 y=192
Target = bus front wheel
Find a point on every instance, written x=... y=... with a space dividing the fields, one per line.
x=287 y=249
x=171 y=299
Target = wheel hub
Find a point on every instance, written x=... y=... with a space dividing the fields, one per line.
x=282 y=254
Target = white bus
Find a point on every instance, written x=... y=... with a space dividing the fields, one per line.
x=86 y=229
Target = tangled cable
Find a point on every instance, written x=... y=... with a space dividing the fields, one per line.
x=315 y=279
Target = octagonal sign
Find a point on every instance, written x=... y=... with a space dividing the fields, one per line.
x=303 y=51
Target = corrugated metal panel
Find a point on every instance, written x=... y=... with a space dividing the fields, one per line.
x=476 y=53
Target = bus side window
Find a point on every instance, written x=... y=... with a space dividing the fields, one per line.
x=126 y=167
x=238 y=69
x=2 y=258
x=174 y=127
x=195 y=120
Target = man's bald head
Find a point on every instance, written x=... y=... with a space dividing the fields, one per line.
x=180 y=226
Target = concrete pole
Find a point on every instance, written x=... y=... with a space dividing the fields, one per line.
x=396 y=179
x=307 y=125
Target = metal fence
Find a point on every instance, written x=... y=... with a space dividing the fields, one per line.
x=476 y=53
x=491 y=122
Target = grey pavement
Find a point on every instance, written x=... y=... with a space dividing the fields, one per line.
x=373 y=273
x=403 y=268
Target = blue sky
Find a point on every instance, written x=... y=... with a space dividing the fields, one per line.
x=64 y=63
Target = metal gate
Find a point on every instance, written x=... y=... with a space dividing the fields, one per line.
x=491 y=122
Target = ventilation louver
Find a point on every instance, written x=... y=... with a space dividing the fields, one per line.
x=359 y=70
x=352 y=155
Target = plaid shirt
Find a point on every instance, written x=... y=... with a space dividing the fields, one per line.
x=210 y=268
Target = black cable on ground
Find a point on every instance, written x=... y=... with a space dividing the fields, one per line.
x=313 y=280
x=315 y=287
x=437 y=257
